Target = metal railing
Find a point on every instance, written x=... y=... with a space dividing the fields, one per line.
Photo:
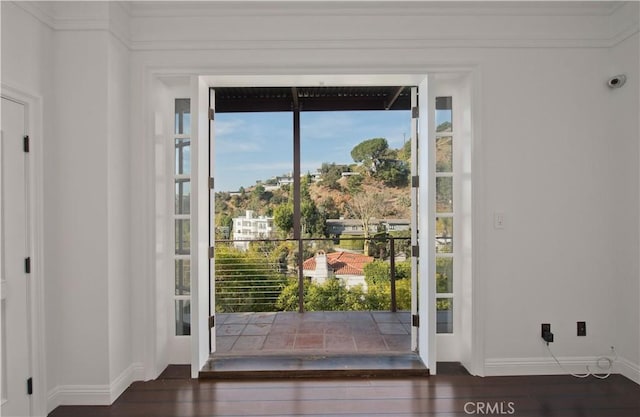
x=265 y=275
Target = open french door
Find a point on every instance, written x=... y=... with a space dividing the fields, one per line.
x=212 y=221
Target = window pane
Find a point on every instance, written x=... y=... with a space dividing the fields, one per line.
x=444 y=235
x=444 y=154
x=183 y=317
x=183 y=277
x=444 y=194
x=443 y=114
x=183 y=156
x=444 y=315
x=183 y=116
x=183 y=196
x=183 y=236
x=444 y=275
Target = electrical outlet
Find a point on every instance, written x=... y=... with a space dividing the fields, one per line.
x=582 y=328
x=545 y=333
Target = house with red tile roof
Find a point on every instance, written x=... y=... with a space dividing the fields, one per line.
x=347 y=266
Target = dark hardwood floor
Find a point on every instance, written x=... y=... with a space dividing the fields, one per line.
x=456 y=394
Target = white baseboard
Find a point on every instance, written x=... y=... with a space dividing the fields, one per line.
x=135 y=372
x=628 y=369
x=547 y=366
x=78 y=395
x=537 y=366
x=94 y=394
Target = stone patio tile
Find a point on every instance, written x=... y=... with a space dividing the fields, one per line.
x=400 y=343
x=238 y=318
x=370 y=343
x=337 y=328
x=262 y=318
x=392 y=328
x=249 y=343
x=340 y=343
x=224 y=344
x=279 y=342
x=256 y=329
x=385 y=317
x=309 y=341
x=229 y=330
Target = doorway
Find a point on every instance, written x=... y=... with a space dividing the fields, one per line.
x=424 y=338
x=316 y=239
x=15 y=262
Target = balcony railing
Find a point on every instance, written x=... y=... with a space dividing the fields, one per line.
x=336 y=274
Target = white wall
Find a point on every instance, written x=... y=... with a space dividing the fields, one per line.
x=550 y=169
x=83 y=79
x=623 y=138
x=119 y=220
x=75 y=184
x=26 y=71
x=543 y=163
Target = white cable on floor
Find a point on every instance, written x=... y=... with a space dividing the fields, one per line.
x=609 y=367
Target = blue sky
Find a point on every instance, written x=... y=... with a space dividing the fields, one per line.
x=258 y=146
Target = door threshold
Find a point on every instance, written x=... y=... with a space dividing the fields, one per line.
x=314 y=366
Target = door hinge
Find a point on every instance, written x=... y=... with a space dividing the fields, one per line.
x=212 y=114
x=27 y=265
x=415 y=320
x=212 y=321
x=211 y=252
x=415 y=181
x=211 y=183
x=415 y=251
x=415 y=112
x=25 y=143
x=30 y=386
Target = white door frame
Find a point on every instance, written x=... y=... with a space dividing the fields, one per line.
x=200 y=86
x=33 y=110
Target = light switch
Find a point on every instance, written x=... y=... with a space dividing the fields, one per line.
x=498 y=220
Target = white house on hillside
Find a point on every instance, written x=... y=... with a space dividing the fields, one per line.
x=251 y=227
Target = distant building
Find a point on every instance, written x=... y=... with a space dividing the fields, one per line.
x=346 y=266
x=337 y=227
x=251 y=227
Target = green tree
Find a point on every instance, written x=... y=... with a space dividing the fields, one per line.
x=376 y=272
x=329 y=208
x=331 y=174
x=393 y=172
x=405 y=152
x=246 y=281
x=313 y=222
x=283 y=218
x=354 y=184
x=370 y=152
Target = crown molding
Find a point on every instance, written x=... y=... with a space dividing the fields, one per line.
x=619 y=22
x=372 y=8
x=110 y=16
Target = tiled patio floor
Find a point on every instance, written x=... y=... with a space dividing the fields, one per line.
x=313 y=332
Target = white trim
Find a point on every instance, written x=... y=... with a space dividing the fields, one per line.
x=548 y=366
x=103 y=18
x=628 y=369
x=78 y=395
x=476 y=365
x=135 y=372
x=34 y=105
x=94 y=394
x=374 y=8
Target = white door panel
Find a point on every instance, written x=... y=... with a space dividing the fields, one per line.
x=14 y=251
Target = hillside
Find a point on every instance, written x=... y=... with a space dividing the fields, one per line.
x=397 y=199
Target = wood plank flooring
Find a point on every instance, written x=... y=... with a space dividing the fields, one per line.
x=441 y=395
